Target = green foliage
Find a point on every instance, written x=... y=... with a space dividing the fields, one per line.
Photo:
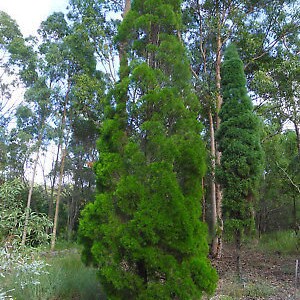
x=23 y=55
x=9 y=34
x=12 y=216
x=239 y=141
x=94 y=21
x=11 y=209
x=283 y=242
x=9 y=30
x=143 y=229
x=279 y=198
x=62 y=277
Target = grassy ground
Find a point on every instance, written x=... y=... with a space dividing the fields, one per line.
x=62 y=276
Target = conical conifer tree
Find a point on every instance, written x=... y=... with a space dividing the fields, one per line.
x=143 y=231
x=239 y=141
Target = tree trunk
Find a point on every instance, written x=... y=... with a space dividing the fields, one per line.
x=142 y=271
x=219 y=196
x=27 y=211
x=295 y=219
x=214 y=246
x=62 y=165
x=61 y=174
x=238 y=245
x=127 y=7
x=123 y=44
x=297 y=136
x=203 y=202
x=54 y=167
x=73 y=209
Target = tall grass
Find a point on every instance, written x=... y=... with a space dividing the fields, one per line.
x=282 y=242
x=60 y=278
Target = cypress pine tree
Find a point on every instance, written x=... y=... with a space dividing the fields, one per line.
x=239 y=141
x=143 y=230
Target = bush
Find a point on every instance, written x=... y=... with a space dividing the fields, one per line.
x=12 y=217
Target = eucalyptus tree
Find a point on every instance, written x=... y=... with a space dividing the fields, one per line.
x=17 y=152
x=258 y=28
x=24 y=59
x=210 y=24
x=49 y=71
x=96 y=20
x=35 y=122
x=59 y=69
x=143 y=230
x=275 y=82
x=273 y=68
x=278 y=89
x=32 y=117
x=9 y=32
x=79 y=164
x=70 y=67
x=278 y=208
x=239 y=139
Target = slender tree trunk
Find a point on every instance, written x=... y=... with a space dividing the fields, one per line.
x=142 y=271
x=127 y=7
x=47 y=196
x=72 y=214
x=203 y=202
x=54 y=167
x=218 y=78
x=215 y=250
x=214 y=246
x=219 y=196
x=27 y=211
x=295 y=221
x=73 y=208
x=61 y=174
x=297 y=130
x=123 y=44
x=238 y=245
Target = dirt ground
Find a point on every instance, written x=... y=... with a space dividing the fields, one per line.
x=264 y=276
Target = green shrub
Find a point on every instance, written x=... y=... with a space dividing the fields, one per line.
x=12 y=217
